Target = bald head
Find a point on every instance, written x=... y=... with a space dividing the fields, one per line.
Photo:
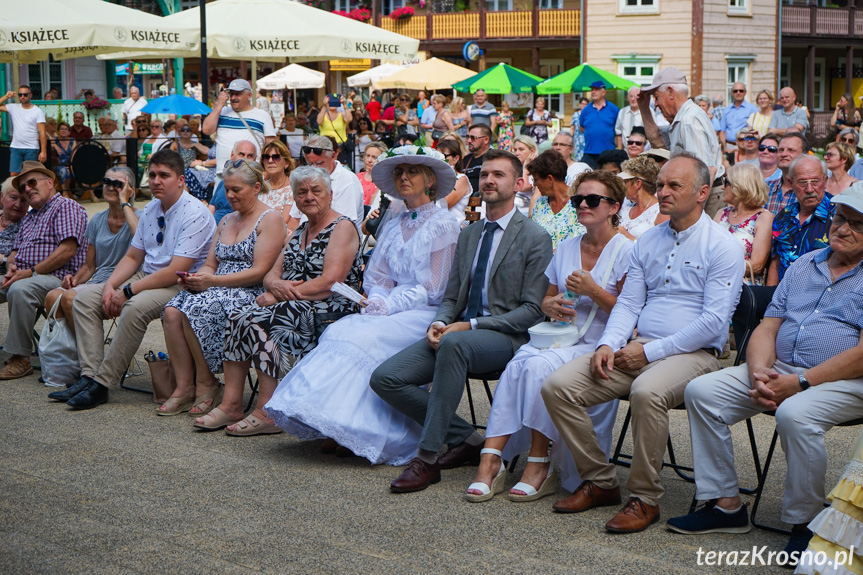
x=244 y=149
x=788 y=98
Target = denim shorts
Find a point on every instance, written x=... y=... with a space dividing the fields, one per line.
x=19 y=155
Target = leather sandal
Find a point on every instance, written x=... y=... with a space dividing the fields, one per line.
x=215 y=420
x=175 y=406
x=251 y=425
x=214 y=394
x=528 y=491
x=486 y=492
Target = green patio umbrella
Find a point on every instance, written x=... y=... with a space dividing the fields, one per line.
x=580 y=78
x=500 y=79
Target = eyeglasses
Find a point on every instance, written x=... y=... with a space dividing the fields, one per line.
x=857 y=226
x=450 y=156
x=469 y=137
x=724 y=181
x=738 y=91
x=806 y=184
x=591 y=200
x=113 y=183
x=271 y=157
x=634 y=143
x=315 y=151
x=561 y=145
x=847 y=141
x=160 y=237
x=771 y=149
x=411 y=171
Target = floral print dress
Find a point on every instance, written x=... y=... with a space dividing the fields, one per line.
x=744 y=232
x=506 y=133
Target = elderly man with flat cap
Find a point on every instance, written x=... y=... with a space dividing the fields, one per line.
x=690 y=131
x=51 y=243
x=805 y=362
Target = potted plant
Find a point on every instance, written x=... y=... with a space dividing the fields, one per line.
x=401 y=13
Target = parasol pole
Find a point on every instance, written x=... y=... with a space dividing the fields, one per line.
x=16 y=73
x=205 y=75
x=254 y=80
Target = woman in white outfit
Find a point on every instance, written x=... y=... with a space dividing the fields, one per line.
x=327 y=393
x=518 y=419
x=640 y=210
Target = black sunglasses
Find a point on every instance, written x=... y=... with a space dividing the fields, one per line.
x=160 y=237
x=634 y=143
x=185 y=129
x=273 y=157
x=22 y=94
x=113 y=183
x=748 y=138
x=591 y=200
x=771 y=149
x=738 y=91
x=315 y=151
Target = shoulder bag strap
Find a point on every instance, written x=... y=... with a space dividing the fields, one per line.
x=605 y=278
x=254 y=135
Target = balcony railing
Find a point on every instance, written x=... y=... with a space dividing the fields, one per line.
x=817 y=21
x=497 y=24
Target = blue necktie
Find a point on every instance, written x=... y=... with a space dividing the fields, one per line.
x=474 y=298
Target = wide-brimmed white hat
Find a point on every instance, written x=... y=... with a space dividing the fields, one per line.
x=382 y=172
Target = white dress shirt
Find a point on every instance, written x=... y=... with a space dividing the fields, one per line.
x=680 y=291
x=503 y=222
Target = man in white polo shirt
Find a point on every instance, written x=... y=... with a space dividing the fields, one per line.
x=239 y=121
x=29 y=141
x=173 y=235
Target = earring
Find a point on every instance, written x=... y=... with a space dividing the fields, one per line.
x=428 y=192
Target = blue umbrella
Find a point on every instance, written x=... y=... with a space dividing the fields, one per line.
x=177 y=104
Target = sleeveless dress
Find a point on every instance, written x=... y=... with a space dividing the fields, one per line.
x=188 y=154
x=642 y=223
x=744 y=232
x=518 y=406
x=561 y=225
x=506 y=134
x=208 y=311
x=65 y=158
x=264 y=334
x=327 y=394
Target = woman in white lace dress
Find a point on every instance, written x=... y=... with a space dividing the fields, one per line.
x=640 y=211
x=327 y=394
x=519 y=420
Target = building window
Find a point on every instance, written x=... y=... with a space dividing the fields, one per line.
x=737 y=72
x=547 y=69
x=818 y=100
x=550 y=4
x=738 y=7
x=45 y=75
x=639 y=6
x=345 y=5
x=390 y=5
x=637 y=68
x=498 y=5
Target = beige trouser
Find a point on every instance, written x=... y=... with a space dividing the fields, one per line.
x=24 y=298
x=653 y=390
x=107 y=367
x=714 y=201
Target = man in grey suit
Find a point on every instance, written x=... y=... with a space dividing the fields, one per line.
x=493 y=296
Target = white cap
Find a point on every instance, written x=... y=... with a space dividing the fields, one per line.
x=239 y=85
x=851 y=197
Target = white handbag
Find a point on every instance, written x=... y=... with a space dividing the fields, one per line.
x=546 y=335
x=58 y=351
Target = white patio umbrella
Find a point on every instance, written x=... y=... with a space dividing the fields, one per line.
x=292 y=77
x=30 y=31
x=277 y=29
x=368 y=77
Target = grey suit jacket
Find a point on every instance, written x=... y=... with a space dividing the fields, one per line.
x=517 y=281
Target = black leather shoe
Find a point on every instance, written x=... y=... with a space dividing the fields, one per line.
x=91 y=396
x=70 y=392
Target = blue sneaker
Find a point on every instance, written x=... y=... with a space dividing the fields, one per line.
x=797 y=544
x=709 y=519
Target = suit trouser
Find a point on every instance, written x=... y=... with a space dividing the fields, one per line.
x=716 y=401
x=24 y=298
x=108 y=367
x=653 y=390
x=397 y=381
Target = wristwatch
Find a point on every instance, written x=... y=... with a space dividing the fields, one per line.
x=33 y=272
x=804 y=384
x=123 y=205
x=127 y=291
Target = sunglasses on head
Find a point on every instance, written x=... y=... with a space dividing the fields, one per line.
x=315 y=151
x=236 y=163
x=160 y=237
x=592 y=200
x=271 y=157
x=113 y=183
x=771 y=149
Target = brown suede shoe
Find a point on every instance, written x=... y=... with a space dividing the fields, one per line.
x=587 y=496
x=18 y=366
x=635 y=516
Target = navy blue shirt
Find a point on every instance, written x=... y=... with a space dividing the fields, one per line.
x=599 y=127
x=220 y=201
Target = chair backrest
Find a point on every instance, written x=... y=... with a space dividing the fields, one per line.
x=749 y=313
x=470 y=213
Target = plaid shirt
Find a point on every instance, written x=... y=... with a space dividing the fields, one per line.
x=43 y=230
x=777 y=200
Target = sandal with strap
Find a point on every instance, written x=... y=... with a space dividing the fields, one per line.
x=251 y=425
x=529 y=492
x=487 y=492
x=214 y=394
x=215 y=420
x=175 y=406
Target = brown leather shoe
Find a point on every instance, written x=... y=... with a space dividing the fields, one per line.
x=417 y=476
x=587 y=496
x=635 y=516
x=461 y=454
x=18 y=366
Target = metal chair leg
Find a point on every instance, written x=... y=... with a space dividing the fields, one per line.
x=253 y=385
x=760 y=490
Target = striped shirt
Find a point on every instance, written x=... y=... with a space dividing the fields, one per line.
x=43 y=230
x=820 y=317
x=231 y=130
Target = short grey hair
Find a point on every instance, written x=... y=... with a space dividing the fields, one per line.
x=126 y=171
x=678 y=89
x=568 y=135
x=633 y=88
x=702 y=98
x=853 y=132
x=323 y=142
x=305 y=173
x=795 y=164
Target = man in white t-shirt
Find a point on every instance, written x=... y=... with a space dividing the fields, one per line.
x=240 y=121
x=295 y=135
x=347 y=190
x=112 y=139
x=132 y=108
x=29 y=142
